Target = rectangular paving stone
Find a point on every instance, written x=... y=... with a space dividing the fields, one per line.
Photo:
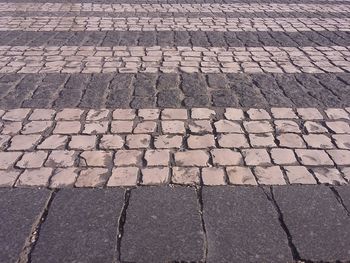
x=318 y=224
x=19 y=210
x=81 y=226
x=162 y=225
x=242 y=225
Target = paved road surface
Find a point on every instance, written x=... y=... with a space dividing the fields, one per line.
x=175 y=131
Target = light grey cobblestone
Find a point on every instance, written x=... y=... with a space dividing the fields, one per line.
x=92 y=59
x=174 y=8
x=81 y=23
x=232 y=149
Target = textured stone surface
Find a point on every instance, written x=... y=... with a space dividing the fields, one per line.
x=316 y=206
x=229 y=223
x=20 y=209
x=162 y=224
x=81 y=226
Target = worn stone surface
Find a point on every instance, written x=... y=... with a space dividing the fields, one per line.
x=323 y=233
x=162 y=224
x=229 y=223
x=81 y=226
x=20 y=210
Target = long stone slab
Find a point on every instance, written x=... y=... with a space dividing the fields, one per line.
x=241 y=224
x=162 y=224
x=81 y=226
x=19 y=209
x=318 y=224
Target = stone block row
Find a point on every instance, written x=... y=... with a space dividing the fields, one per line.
x=174 y=8
x=81 y=23
x=122 y=59
x=95 y=148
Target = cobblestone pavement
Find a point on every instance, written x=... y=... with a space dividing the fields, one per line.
x=174 y=131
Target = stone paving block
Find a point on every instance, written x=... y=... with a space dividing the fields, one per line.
x=23 y=142
x=313 y=157
x=309 y=114
x=173 y=127
x=240 y=175
x=262 y=140
x=96 y=158
x=64 y=177
x=82 y=142
x=315 y=127
x=257 y=126
x=344 y=193
x=316 y=239
x=122 y=126
x=149 y=114
x=168 y=141
x=162 y=224
x=4 y=140
x=19 y=210
x=226 y=157
x=228 y=224
x=234 y=114
x=327 y=175
x=67 y=127
x=42 y=114
x=346 y=173
x=233 y=141
x=96 y=127
x=291 y=140
x=227 y=126
x=35 y=177
x=335 y=114
x=342 y=140
x=283 y=156
x=299 y=175
x=269 y=175
x=61 y=158
x=123 y=114
x=256 y=157
x=69 y=114
x=8 y=177
x=36 y=127
x=200 y=126
x=8 y=159
x=111 y=141
x=202 y=113
x=135 y=141
x=283 y=113
x=340 y=157
x=338 y=126
x=32 y=159
x=213 y=176
x=258 y=114
x=157 y=157
x=128 y=157
x=174 y=114
x=287 y=126
x=124 y=176
x=318 y=141
x=146 y=127
x=77 y=215
x=92 y=177
x=155 y=175
x=200 y=141
x=54 y=142
x=97 y=115
x=11 y=128
x=185 y=175
x=16 y=114
x=191 y=158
